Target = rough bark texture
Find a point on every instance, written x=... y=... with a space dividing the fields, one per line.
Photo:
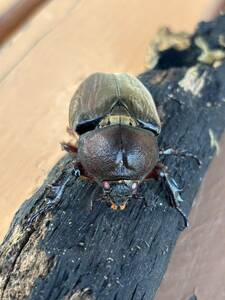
x=73 y=253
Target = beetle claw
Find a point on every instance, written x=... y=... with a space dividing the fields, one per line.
x=175 y=196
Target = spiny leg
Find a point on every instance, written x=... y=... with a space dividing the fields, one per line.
x=171 y=187
x=181 y=153
x=51 y=203
x=58 y=190
x=174 y=192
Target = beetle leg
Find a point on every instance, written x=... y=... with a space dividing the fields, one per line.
x=174 y=192
x=171 y=187
x=69 y=147
x=51 y=203
x=181 y=153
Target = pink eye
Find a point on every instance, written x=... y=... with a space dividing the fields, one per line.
x=134 y=186
x=106 y=185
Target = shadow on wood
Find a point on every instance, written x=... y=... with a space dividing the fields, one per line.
x=16 y=15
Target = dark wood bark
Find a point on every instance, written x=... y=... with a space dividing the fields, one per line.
x=74 y=253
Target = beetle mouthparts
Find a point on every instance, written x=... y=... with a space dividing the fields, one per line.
x=118 y=207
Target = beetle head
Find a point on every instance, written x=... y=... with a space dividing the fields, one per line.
x=117 y=193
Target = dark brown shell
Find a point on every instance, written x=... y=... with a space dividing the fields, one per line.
x=99 y=92
x=118 y=152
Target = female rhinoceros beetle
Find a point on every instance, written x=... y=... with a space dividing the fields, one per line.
x=118 y=124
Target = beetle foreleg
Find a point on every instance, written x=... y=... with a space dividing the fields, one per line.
x=171 y=187
x=51 y=203
x=181 y=153
x=174 y=192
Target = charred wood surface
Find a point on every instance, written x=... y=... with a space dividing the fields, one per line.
x=74 y=253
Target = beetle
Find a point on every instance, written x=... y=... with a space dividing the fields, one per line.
x=117 y=122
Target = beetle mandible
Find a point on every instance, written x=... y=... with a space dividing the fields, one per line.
x=117 y=123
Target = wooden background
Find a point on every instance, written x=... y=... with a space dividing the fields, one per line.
x=41 y=65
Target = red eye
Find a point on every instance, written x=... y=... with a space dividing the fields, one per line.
x=106 y=185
